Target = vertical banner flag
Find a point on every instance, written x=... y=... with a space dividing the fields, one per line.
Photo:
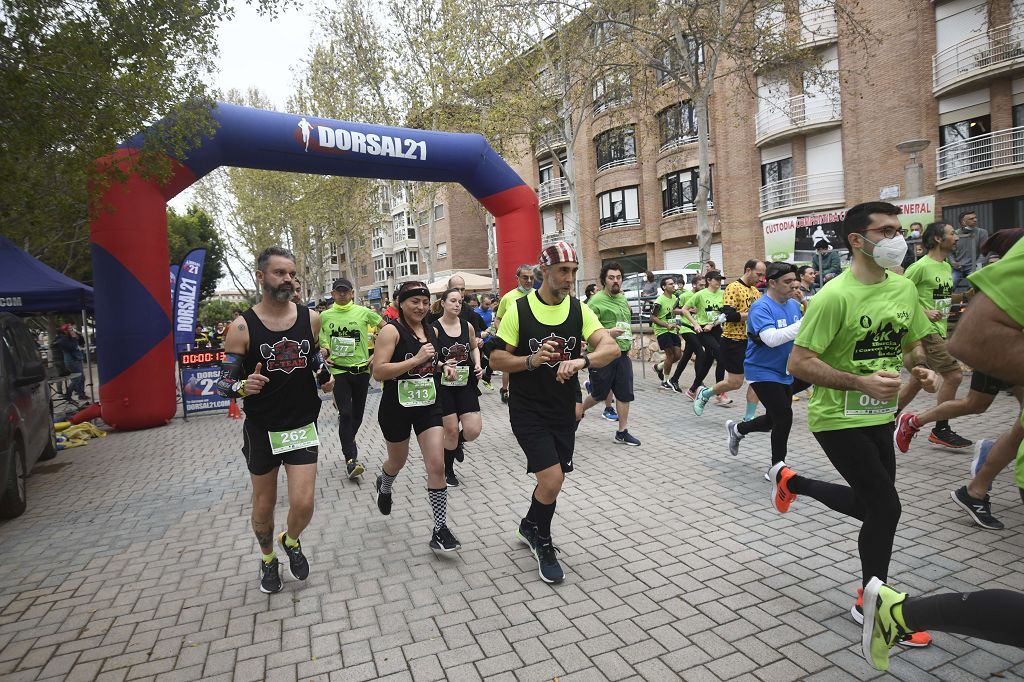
x=174 y=279
x=186 y=299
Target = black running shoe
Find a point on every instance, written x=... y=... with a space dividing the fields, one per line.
x=948 y=438
x=547 y=563
x=443 y=540
x=504 y=396
x=270 y=577
x=979 y=510
x=297 y=564
x=527 y=533
x=451 y=479
x=383 y=499
x=675 y=386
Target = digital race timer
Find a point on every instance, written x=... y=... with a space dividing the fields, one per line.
x=205 y=358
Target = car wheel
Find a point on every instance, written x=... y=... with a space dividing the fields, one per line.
x=50 y=451
x=13 y=502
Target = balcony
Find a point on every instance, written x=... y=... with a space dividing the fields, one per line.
x=818 y=27
x=617 y=163
x=796 y=116
x=685 y=208
x=553 y=192
x=550 y=143
x=996 y=52
x=676 y=142
x=619 y=222
x=547 y=240
x=801 y=194
x=981 y=159
x=610 y=103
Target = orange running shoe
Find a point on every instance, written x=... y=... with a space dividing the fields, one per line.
x=781 y=495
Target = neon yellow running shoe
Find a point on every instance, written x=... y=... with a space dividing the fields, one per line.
x=881 y=629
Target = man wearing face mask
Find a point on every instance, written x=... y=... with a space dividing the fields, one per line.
x=524 y=285
x=914 y=243
x=853 y=341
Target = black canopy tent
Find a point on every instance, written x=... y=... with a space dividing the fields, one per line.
x=29 y=287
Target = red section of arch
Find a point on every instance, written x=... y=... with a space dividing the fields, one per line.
x=144 y=395
x=517 y=231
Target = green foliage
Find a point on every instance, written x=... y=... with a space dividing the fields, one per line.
x=213 y=311
x=195 y=230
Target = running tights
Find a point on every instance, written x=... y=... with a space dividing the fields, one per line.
x=778 y=403
x=692 y=348
x=994 y=615
x=709 y=340
x=866 y=459
x=350 y=397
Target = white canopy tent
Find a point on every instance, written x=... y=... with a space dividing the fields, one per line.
x=473 y=282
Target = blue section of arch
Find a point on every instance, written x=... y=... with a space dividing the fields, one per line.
x=271 y=140
x=136 y=331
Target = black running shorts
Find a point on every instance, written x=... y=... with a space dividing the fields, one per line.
x=669 y=340
x=732 y=354
x=459 y=400
x=395 y=423
x=545 y=447
x=989 y=385
x=259 y=458
x=616 y=376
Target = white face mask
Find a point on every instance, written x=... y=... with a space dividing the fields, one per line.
x=525 y=290
x=888 y=253
x=915 y=234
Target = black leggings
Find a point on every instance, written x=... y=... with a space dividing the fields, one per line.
x=994 y=615
x=692 y=347
x=709 y=340
x=778 y=402
x=865 y=457
x=350 y=396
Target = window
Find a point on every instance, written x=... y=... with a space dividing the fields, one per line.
x=677 y=125
x=404 y=229
x=611 y=90
x=408 y=262
x=670 y=57
x=615 y=147
x=362 y=270
x=546 y=172
x=679 y=191
x=965 y=153
x=423 y=218
x=775 y=171
x=378 y=237
x=619 y=207
x=439 y=212
x=551 y=220
x=383 y=268
x=442 y=250
x=776 y=193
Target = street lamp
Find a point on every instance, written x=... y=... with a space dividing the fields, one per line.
x=913 y=172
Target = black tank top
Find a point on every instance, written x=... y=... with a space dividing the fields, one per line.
x=536 y=397
x=290 y=399
x=456 y=347
x=407 y=347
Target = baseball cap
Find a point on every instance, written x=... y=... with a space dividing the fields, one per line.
x=342 y=284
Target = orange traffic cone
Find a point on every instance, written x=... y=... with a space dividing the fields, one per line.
x=233 y=411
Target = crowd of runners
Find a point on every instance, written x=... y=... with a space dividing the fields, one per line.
x=845 y=350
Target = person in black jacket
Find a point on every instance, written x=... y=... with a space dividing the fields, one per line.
x=70 y=343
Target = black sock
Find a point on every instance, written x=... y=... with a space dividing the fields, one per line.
x=941 y=425
x=540 y=515
x=449 y=461
x=462 y=438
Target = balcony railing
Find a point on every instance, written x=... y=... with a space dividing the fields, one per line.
x=796 y=112
x=804 y=190
x=621 y=222
x=983 y=155
x=818 y=25
x=550 y=142
x=676 y=142
x=611 y=103
x=547 y=240
x=628 y=161
x=998 y=47
x=553 y=190
x=685 y=208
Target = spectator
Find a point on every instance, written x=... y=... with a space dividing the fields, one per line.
x=967 y=251
x=70 y=345
x=589 y=292
x=825 y=261
x=486 y=311
x=650 y=290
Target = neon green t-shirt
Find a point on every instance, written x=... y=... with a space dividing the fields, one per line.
x=934 y=282
x=860 y=329
x=662 y=309
x=614 y=313
x=683 y=301
x=708 y=305
x=1001 y=283
x=344 y=330
x=546 y=314
x=507 y=300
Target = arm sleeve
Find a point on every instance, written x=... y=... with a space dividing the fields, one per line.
x=231 y=372
x=774 y=337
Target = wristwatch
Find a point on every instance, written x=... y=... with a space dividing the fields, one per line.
x=239 y=388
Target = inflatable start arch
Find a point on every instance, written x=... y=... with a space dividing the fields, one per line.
x=129 y=243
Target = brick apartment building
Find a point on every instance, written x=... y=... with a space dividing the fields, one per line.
x=950 y=73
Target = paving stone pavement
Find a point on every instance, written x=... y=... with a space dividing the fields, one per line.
x=135 y=561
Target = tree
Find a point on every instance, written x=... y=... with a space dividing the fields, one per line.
x=195 y=230
x=78 y=77
x=215 y=310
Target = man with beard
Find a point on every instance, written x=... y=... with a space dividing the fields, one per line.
x=268 y=361
x=612 y=310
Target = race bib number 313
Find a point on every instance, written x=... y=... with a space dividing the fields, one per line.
x=860 y=404
x=294 y=439
x=416 y=392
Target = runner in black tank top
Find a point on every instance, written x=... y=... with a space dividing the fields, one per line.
x=459 y=399
x=272 y=361
x=405 y=361
x=544 y=333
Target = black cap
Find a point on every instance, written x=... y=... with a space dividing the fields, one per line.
x=342 y=284
x=822 y=244
x=713 y=274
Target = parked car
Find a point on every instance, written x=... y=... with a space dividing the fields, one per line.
x=633 y=284
x=26 y=422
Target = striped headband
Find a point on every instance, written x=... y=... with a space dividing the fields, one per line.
x=559 y=252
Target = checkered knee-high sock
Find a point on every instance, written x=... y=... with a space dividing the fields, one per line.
x=386 y=480
x=439 y=505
